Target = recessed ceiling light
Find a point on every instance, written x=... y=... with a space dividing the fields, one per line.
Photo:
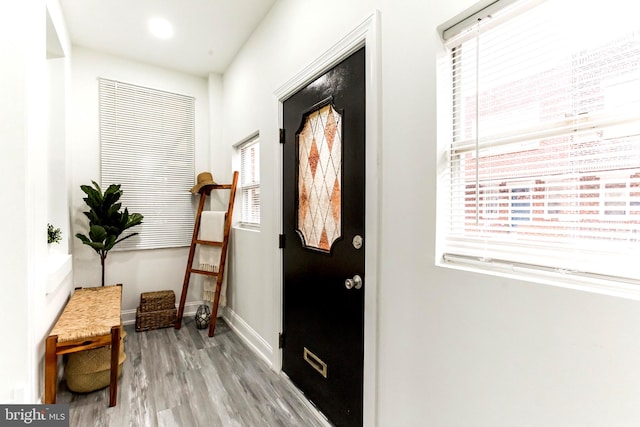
x=160 y=28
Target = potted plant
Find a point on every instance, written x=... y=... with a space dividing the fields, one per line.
x=54 y=235
x=106 y=221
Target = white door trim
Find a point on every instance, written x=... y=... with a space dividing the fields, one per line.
x=366 y=34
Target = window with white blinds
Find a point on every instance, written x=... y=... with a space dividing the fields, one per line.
x=147 y=144
x=543 y=161
x=250 y=181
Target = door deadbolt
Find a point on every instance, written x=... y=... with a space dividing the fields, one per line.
x=356 y=282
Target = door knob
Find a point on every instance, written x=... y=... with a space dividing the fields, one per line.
x=356 y=282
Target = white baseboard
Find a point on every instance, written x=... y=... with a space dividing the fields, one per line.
x=248 y=335
x=129 y=316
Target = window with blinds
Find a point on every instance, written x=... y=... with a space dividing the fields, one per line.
x=543 y=163
x=147 y=144
x=250 y=181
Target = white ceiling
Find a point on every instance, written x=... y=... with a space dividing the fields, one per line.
x=208 y=33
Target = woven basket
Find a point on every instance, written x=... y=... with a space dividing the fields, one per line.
x=90 y=370
x=155 y=319
x=159 y=300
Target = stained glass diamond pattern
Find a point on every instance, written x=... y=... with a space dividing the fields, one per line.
x=319 y=179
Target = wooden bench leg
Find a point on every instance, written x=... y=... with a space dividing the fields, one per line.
x=115 y=358
x=50 y=369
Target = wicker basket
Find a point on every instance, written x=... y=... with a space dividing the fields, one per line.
x=159 y=300
x=155 y=319
x=90 y=370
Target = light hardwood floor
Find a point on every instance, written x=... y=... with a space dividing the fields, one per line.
x=184 y=378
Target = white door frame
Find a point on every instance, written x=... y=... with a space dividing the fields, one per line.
x=365 y=34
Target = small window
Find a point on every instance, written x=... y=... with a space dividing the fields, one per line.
x=250 y=181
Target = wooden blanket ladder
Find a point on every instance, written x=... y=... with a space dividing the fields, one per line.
x=224 y=244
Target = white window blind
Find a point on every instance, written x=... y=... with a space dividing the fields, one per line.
x=147 y=144
x=544 y=158
x=250 y=181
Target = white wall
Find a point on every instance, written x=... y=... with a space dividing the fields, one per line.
x=454 y=348
x=138 y=271
x=18 y=49
x=25 y=309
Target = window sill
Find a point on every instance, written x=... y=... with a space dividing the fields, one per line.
x=598 y=285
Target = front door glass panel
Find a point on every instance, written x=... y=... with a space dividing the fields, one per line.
x=320 y=179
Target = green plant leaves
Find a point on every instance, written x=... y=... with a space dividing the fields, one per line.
x=106 y=219
x=97 y=246
x=54 y=235
x=109 y=242
x=97 y=233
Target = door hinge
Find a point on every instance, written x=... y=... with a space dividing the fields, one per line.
x=281 y=241
x=281 y=136
x=281 y=340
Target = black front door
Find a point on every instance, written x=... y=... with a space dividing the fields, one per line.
x=323 y=224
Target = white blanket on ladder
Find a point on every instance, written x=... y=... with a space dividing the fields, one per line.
x=212 y=229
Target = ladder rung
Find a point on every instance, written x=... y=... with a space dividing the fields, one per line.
x=205 y=272
x=207 y=242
